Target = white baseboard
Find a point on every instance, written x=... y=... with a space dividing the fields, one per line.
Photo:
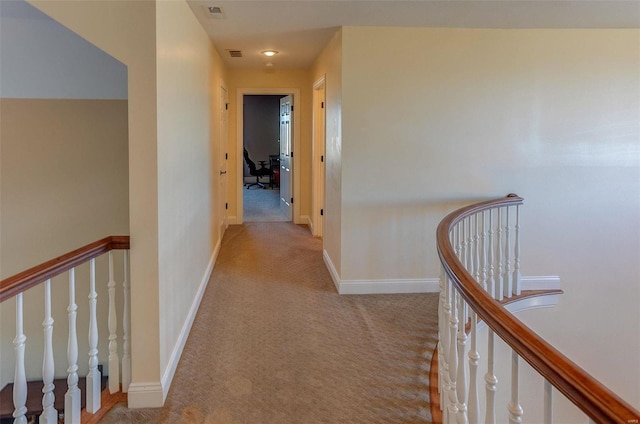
x=232 y=220
x=153 y=394
x=424 y=285
x=169 y=372
x=543 y=301
x=332 y=270
x=145 y=395
x=306 y=220
x=547 y=282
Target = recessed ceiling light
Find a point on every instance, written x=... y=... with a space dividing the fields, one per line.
x=269 y=53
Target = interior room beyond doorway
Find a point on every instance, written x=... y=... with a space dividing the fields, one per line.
x=261 y=158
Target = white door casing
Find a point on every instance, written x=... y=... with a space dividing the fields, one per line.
x=295 y=160
x=223 y=195
x=318 y=158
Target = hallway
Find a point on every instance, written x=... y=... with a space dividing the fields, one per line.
x=274 y=343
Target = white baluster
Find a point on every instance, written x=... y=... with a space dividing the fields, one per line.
x=114 y=361
x=491 y=382
x=93 y=377
x=477 y=249
x=483 y=250
x=461 y=378
x=548 y=402
x=474 y=356
x=464 y=233
x=453 y=358
x=19 y=378
x=126 y=325
x=458 y=238
x=500 y=277
x=445 y=346
x=49 y=414
x=469 y=262
x=508 y=276
x=515 y=410
x=516 y=267
x=440 y=329
x=490 y=260
x=72 y=397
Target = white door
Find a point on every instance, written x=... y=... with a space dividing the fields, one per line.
x=222 y=159
x=286 y=154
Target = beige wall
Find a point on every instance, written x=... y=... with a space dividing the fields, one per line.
x=329 y=65
x=126 y=30
x=64 y=178
x=451 y=115
x=170 y=64
x=277 y=78
x=185 y=215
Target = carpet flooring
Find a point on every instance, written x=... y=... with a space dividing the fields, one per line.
x=274 y=343
x=262 y=205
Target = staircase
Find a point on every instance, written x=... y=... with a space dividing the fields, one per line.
x=86 y=393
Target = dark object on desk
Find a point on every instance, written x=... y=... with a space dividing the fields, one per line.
x=262 y=172
x=274 y=165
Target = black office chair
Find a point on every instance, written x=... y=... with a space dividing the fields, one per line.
x=262 y=172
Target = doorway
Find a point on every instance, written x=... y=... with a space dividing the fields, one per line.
x=261 y=150
x=267 y=140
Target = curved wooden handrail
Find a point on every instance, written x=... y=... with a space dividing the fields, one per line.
x=31 y=277
x=594 y=399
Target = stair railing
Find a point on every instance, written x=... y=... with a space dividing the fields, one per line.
x=16 y=285
x=479 y=250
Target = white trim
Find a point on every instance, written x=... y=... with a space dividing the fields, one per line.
x=541 y=301
x=318 y=141
x=170 y=370
x=145 y=395
x=432 y=285
x=548 y=282
x=212 y=261
x=232 y=220
x=295 y=93
x=305 y=220
x=537 y=302
x=425 y=285
x=223 y=160
x=332 y=270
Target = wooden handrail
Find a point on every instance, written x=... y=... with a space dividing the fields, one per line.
x=31 y=277
x=593 y=398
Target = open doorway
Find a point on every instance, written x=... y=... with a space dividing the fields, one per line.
x=261 y=154
x=267 y=138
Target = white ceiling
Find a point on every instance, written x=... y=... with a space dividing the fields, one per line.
x=299 y=29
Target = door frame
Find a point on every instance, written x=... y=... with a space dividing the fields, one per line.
x=223 y=162
x=295 y=94
x=318 y=132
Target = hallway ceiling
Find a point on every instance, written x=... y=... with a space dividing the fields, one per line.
x=299 y=29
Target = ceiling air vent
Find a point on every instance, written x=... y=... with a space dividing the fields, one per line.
x=215 y=12
x=235 y=53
